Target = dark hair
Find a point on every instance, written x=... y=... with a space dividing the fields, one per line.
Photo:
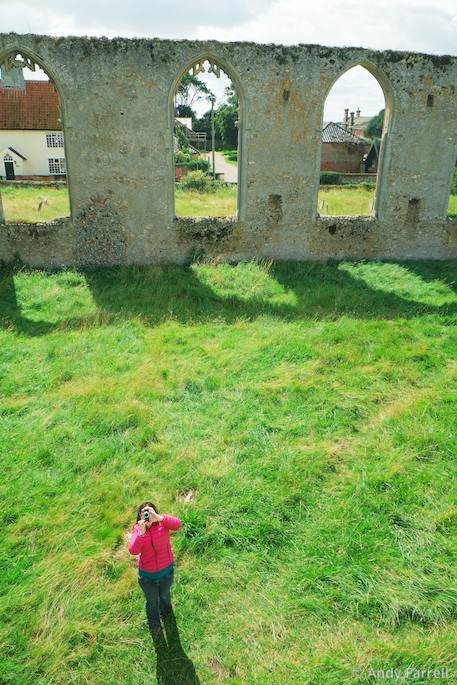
x=145 y=504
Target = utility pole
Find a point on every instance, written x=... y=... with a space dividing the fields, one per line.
x=213 y=137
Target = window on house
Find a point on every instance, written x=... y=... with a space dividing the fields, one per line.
x=352 y=130
x=54 y=139
x=57 y=166
x=206 y=150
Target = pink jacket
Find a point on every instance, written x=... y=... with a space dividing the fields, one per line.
x=154 y=549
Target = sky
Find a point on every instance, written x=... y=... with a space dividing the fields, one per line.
x=414 y=25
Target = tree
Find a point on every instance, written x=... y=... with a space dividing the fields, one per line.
x=184 y=111
x=374 y=126
x=189 y=91
x=227 y=118
x=204 y=123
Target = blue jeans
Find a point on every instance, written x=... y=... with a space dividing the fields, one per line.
x=158 y=600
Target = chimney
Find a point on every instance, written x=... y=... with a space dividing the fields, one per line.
x=346 y=116
x=358 y=113
x=352 y=118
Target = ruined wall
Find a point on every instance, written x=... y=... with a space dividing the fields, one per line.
x=117 y=96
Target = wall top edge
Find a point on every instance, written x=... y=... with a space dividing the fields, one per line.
x=292 y=51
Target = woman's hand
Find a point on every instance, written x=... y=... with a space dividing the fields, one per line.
x=142 y=526
x=153 y=515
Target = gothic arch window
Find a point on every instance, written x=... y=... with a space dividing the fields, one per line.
x=206 y=115
x=356 y=117
x=29 y=131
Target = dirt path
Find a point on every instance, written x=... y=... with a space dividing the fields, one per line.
x=230 y=171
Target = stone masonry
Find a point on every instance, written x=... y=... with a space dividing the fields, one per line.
x=117 y=112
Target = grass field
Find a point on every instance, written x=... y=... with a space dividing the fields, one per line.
x=221 y=202
x=299 y=418
x=21 y=204
x=345 y=201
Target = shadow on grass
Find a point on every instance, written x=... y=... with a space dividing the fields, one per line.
x=436 y=271
x=10 y=311
x=173 y=665
x=156 y=293
x=321 y=291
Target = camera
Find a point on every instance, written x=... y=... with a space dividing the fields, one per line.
x=145 y=514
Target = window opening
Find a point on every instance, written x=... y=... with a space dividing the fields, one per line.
x=27 y=132
x=206 y=112
x=351 y=145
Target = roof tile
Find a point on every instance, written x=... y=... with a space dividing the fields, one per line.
x=35 y=107
x=332 y=133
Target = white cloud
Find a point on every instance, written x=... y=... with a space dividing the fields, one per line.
x=419 y=25
x=356 y=89
x=414 y=25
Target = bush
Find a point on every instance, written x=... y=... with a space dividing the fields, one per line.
x=197 y=181
x=231 y=154
x=183 y=140
x=200 y=163
x=365 y=185
x=181 y=157
x=192 y=162
x=330 y=178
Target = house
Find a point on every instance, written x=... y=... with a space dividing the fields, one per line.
x=31 y=138
x=195 y=140
x=355 y=123
x=341 y=150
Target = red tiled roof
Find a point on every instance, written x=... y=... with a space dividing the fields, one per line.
x=34 y=108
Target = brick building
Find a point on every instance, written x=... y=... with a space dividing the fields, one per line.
x=342 y=151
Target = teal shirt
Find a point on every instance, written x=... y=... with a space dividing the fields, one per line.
x=158 y=574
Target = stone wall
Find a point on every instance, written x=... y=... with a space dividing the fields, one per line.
x=116 y=97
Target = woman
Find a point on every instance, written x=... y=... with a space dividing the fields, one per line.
x=151 y=540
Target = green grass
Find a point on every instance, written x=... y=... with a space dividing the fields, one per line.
x=344 y=201
x=221 y=202
x=335 y=201
x=299 y=418
x=20 y=204
x=231 y=156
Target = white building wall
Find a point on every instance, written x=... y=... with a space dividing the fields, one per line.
x=32 y=145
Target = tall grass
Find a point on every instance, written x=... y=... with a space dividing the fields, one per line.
x=219 y=202
x=299 y=418
x=32 y=204
x=345 y=201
